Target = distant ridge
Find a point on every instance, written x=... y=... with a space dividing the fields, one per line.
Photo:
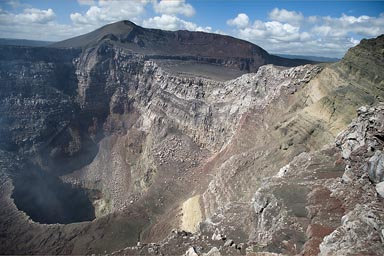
x=220 y=49
x=305 y=57
x=23 y=42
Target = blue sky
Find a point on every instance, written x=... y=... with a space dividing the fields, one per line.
x=322 y=28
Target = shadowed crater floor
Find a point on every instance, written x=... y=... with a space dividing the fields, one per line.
x=48 y=200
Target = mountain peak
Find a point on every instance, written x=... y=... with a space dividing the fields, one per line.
x=128 y=23
x=117 y=31
x=210 y=48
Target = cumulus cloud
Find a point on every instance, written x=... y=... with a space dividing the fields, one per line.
x=273 y=32
x=28 y=16
x=171 y=22
x=282 y=15
x=291 y=32
x=173 y=7
x=364 y=26
x=37 y=24
x=241 y=21
x=105 y=12
x=33 y=23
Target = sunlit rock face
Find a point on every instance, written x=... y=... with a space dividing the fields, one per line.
x=129 y=135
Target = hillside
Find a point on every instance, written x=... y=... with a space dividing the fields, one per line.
x=194 y=53
x=23 y=42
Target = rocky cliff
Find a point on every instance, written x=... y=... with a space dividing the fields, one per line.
x=122 y=135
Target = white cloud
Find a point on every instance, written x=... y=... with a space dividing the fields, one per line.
x=109 y=11
x=312 y=19
x=171 y=22
x=28 y=16
x=364 y=26
x=50 y=31
x=86 y=2
x=354 y=41
x=274 y=31
x=322 y=30
x=173 y=7
x=241 y=21
x=292 y=33
x=283 y=15
x=36 y=24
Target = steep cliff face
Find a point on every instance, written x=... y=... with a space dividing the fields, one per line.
x=149 y=140
x=33 y=86
x=345 y=86
x=363 y=62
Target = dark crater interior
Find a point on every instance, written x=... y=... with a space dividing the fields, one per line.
x=46 y=199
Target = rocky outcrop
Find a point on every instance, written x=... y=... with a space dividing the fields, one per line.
x=326 y=202
x=38 y=110
x=363 y=63
x=361 y=227
x=35 y=98
x=343 y=87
